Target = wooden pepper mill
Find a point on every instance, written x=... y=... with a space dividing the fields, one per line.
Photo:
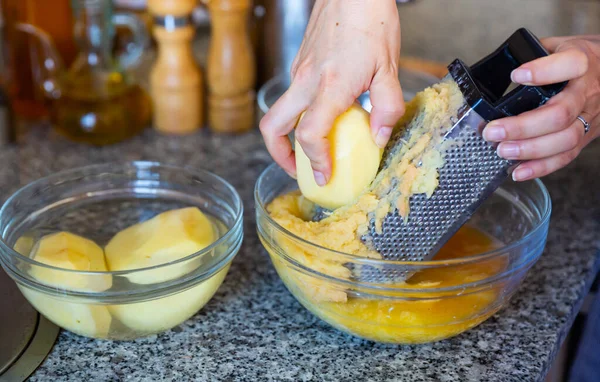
x=231 y=67
x=175 y=79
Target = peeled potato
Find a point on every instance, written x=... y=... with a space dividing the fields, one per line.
x=24 y=245
x=68 y=251
x=355 y=159
x=169 y=236
x=166 y=312
x=80 y=318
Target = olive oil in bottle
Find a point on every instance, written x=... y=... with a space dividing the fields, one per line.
x=102 y=112
x=95 y=101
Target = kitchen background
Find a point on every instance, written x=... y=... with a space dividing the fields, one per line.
x=443 y=30
x=433 y=30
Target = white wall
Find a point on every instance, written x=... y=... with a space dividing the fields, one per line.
x=469 y=29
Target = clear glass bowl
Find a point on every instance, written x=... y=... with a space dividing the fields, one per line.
x=475 y=286
x=96 y=202
x=412 y=82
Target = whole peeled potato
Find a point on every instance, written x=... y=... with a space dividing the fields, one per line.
x=355 y=161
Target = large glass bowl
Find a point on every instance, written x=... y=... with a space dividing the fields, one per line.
x=411 y=81
x=96 y=202
x=517 y=215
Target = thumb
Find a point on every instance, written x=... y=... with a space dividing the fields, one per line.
x=388 y=105
x=570 y=61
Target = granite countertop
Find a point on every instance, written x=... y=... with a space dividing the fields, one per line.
x=253 y=329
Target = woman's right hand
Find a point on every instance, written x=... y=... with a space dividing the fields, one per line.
x=350 y=46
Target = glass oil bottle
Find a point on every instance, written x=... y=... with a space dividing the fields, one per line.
x=94 y=101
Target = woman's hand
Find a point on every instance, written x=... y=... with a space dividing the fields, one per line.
x=350 y=46
x=550 y=137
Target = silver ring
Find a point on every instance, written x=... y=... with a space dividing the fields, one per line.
x=586 y=125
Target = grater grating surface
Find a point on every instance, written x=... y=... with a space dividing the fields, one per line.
x=472 y=170
x=471 y=173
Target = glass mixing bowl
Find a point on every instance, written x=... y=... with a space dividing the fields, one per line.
x=422 y=309
x=96 y=202
x=412 y=82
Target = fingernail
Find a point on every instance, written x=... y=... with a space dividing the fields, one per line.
x=508 y=150
x=383 y=136
x=521 y=174
x=521 y=76
x=319 y=178
x=494 y=133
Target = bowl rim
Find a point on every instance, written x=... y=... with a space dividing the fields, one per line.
x=545 y=213
x=139 y=165
x=268 y=85
x=260 y=96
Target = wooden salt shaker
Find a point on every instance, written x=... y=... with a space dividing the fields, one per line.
x=175 y=79
x=231 y=67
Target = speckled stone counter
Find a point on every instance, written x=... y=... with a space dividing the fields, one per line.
x=254 y=330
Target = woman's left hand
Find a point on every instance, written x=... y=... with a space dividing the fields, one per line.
x=550 y=137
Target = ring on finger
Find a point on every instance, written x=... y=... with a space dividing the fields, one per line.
x=586 y=125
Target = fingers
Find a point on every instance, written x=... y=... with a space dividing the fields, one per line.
x=552 y=43
x=544 y=146
x=544 y=132
x=388 y=105
x=313 y=129
x=555 y=116
x=550 y=137
x=542 y=167
x=279 y=122
x=565 y=147
x=568 y=63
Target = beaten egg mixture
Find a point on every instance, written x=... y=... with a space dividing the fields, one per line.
x=408 y=313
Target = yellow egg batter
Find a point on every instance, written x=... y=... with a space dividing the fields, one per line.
x=406 y=312
x=401 y=319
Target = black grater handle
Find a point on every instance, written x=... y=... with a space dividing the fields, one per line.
x=485 y=83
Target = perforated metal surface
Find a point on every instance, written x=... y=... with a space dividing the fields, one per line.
x=471 y=173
